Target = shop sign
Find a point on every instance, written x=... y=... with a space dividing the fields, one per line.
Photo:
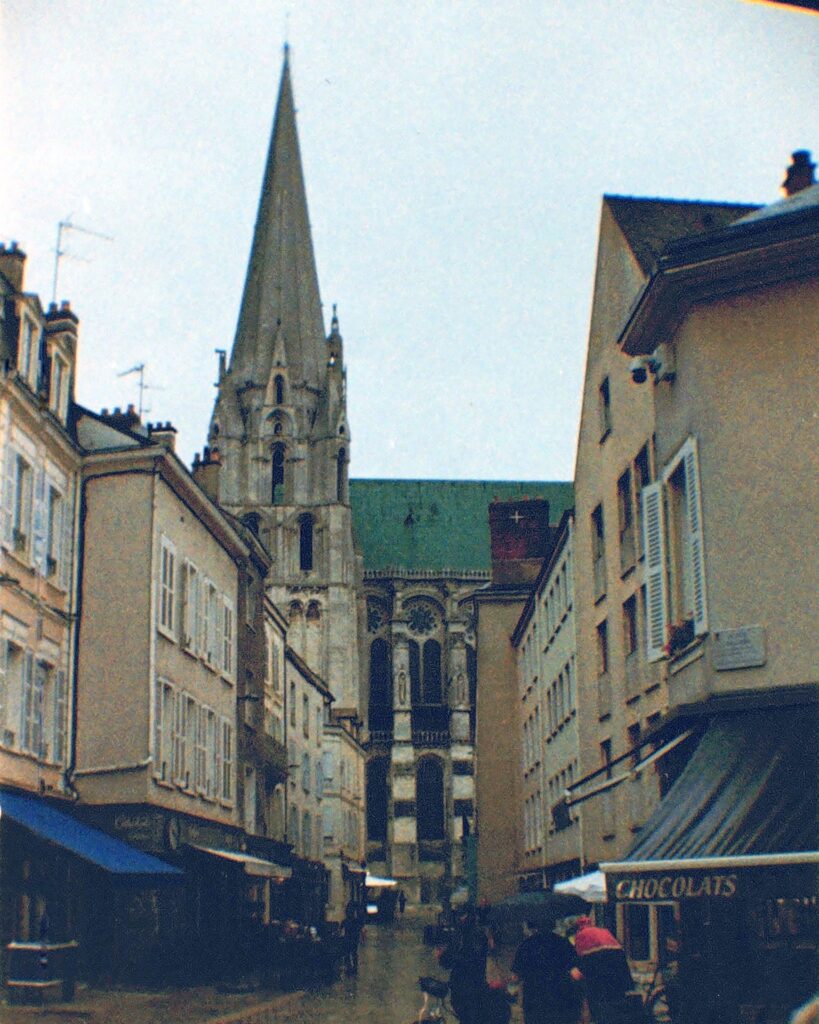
x=140 y=829
x=676 y=886
x=738 y=648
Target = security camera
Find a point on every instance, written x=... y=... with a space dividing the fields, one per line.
x=638 y=368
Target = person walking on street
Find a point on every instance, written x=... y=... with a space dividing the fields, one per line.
x=402 y=901
x=353 y=927
x=543 y=965
x=465 y=959
x=605 y=973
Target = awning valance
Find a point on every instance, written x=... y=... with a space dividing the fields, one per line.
x=256 y=866
x=590 y=887
x=374 y=882
x=112 y=855
x=739 y=821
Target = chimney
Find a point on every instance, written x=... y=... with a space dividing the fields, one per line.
x=13 y=265
x=61 y=320
x=164 y=434
x=800 y=173
x=129 y=419
x=520 y=538
x=205 y=472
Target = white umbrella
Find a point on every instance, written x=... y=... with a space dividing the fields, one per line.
x=591 y=887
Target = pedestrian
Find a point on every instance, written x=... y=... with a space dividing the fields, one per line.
x=402 y=901
x=543 y=965
x=605 y=972
x=353 y=928
x=465 y=959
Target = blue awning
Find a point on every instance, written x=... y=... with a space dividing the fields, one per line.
x=98 y=848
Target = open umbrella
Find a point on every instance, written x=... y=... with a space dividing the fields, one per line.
x=540 y=907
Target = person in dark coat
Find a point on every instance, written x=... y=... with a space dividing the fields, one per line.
x=606 y=975
x=353 y=927
x=465 y=959
x=543 y=965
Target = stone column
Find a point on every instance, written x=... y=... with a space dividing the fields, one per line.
x=402 y=782
x=458 y=689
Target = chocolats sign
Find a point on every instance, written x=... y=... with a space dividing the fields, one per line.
x=673 y=886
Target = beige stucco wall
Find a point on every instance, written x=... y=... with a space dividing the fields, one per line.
x=497 y=749
x=598 y=467
x=746 y=388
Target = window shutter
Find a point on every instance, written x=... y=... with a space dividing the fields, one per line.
x=66 y=530
x=328 y=765
x=158 y=730
x=60 y=717
x=695 y=538
x=9 y=494
x=655 y=571
x=4 y=695
x=28 y=698
x=39 y=520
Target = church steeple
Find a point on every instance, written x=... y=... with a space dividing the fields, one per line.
x=281 y=293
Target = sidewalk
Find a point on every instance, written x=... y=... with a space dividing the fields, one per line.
x=181 y=1006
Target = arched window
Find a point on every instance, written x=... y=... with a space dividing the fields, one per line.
x=377 y=799
x=432 y=690
x=429 y=799
x=425 y=672
x=306 y=543
x=313 y=611
x=341 y=459
x=277 y=474
x=279 y=385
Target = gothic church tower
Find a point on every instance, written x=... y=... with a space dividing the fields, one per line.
x=279 y=427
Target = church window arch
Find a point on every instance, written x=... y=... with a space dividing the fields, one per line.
x=278 y=428
x=313 y=613
x=377 y=798
x=306 y=531
x=277 y=461
x=341 y=465
x=429 y=799
x=278 y=385
x=295 y=610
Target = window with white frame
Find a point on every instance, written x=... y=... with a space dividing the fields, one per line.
x=4 y=688
x=167 y=587
x=213 y=760
x=54 y=512
x=22 y=509
x=60 y=718
x=201 y=750
x=35 y=682
x=227 y=761
x=27 y=358
x=179 y=738
x=213 y=625
x=675 y=573
x=228 y=639
x=189 y=606
x=58 y=392
x=164 y=729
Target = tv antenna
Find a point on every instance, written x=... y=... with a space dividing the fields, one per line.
x=59 y=252
x=143 y=387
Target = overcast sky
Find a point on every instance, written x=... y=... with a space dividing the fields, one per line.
x=455 y=156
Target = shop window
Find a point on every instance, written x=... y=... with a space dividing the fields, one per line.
x=636 y=928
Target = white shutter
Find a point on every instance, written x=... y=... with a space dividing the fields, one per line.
x=60 y=717
x=66 y=528
x=4 y=694
x=159 y=691
x=695 y=538
x=26 y=718
x=39 y=520
x=9 y=494
x=655 y=571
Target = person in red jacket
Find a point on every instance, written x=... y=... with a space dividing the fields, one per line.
x=605 y=972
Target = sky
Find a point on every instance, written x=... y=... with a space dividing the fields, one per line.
x=455 y=157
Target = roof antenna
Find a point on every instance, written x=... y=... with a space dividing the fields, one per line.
x=59 y=252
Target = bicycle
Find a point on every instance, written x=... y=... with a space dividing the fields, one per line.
x=434 y=1008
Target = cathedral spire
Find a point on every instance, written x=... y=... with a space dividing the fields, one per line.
x=281 y=293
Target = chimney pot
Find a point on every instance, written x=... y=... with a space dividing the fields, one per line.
x=800 y=174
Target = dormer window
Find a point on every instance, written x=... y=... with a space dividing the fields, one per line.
x=58 y=393
x=27 y=356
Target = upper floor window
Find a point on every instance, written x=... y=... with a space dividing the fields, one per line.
x=598 y=552
x=59 y=386
x=675 y=570
x=167 y=586
x=604 y=408
x=642 y=478
x=305 y=714
x=625 y=518
x=279 y=386
x=27 y=360
x=306 y=543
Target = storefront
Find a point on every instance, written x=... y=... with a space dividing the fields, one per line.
x=721 y=887
x=62 y=881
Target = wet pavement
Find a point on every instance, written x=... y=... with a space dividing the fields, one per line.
x=385 y=991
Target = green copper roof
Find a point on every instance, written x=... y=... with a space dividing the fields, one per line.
x=437 y=524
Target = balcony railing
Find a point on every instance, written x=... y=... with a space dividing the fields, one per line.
x=430 y=738
x=380 y=737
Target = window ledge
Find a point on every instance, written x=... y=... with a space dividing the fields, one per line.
x=606 y=433
x=627 y=571
x=600 y=597
x=164 y=631
x=693 y=652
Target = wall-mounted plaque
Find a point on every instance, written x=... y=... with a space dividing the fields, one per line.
x=738 y=648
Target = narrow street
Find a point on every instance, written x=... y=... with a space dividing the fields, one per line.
x=392 y=958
